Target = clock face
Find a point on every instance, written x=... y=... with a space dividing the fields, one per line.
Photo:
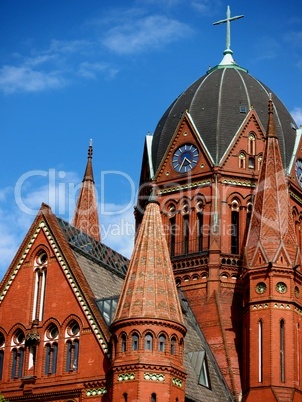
x=298 y=168
x=185 y=158
x=281 y=287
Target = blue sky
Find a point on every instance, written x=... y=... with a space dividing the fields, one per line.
x=72 y=70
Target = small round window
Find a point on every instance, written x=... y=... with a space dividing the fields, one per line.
x=41 y=258
x=52 y=332
x=73 y=329
x=19 y=337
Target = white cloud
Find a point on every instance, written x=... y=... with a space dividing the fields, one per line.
x=144 y=33
x=206 y=6
x=294 y=38
x=297 y=115
x=91 y=70
x=14 y=79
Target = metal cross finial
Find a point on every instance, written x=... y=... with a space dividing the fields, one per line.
x=228 y=22
x=90 y=149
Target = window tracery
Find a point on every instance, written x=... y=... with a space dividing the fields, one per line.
x=72 y=345
x=18 y=347
x=51 y=349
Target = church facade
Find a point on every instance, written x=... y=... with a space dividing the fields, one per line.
x=209 y=308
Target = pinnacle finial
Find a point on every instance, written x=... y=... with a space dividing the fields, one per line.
x=90 y=149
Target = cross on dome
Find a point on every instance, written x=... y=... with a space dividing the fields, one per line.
x=228 y=58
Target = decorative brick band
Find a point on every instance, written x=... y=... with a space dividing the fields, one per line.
x=242 y=183
x=154 y=377
x=185 y=187
x=96 y=391
x=126 y=377
x=177 y=382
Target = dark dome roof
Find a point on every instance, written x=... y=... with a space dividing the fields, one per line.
x=218 y=103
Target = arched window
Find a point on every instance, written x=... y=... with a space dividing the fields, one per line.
x=186 y=229
x=162 y=343
x=123 y=343
x=72 y=346
x=2 y=345
x=40 y=267
x=153 y=397
x=260 y=351
x=259 y=161
x=242 y=160
x=148 y=341
x=173 y=345
x=282 y=351
x=18 y=343
x=51 y=349
x=125 y=395
x=135 y=341
x=200 y=230
x=172 y=235
x=251 y=144
x=235 y=227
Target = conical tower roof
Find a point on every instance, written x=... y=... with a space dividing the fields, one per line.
x=86 y=213
x=149 y=290
x=272 y=230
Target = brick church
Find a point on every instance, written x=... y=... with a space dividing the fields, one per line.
x=209 y=307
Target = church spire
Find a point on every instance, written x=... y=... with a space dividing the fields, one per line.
x=272 y=232
x=149 y=289
x=86 y=213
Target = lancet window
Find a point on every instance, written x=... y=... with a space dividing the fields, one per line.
x=2 y=346
x=235 y=227
x=18 y=347
x=40 y=268
x=51 y=349
x=72 y=346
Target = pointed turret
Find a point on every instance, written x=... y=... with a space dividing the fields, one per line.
x=149 y=290
x=148 y=327
x=272 y=234
x=86 y=213
x=270 y=320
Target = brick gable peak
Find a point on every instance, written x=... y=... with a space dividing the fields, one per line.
x=272 y=226
x=86 y=213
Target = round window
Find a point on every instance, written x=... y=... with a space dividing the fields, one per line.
x=52 y=332
x=19 y=337
x=73 y=329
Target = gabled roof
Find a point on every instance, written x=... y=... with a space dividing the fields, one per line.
x=76 y=266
